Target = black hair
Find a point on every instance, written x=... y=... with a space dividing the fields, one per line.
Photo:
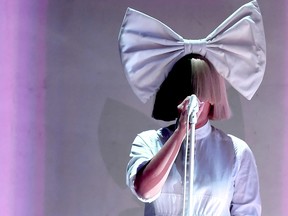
x=175 y=88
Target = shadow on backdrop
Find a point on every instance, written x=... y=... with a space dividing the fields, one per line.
x=132 y=212
x=118 y=126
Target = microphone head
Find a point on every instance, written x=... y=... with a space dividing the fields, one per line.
x=193 y=108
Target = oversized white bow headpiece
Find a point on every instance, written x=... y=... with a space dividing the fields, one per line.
x=236 y=48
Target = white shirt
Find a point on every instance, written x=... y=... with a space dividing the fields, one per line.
x=225 y=175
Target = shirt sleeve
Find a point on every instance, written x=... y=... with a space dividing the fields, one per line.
x=144 y=147
x=246 y=199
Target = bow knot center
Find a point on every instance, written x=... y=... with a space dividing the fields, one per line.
x=195 y=46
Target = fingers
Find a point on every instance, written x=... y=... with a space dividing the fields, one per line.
x=182 y=107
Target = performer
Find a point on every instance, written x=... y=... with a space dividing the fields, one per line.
x=158 y=61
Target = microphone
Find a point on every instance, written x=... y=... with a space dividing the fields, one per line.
x=193 y=108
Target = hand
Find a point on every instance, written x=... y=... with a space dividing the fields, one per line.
x=183 y=110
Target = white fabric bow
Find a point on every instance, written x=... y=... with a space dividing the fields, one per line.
x=236 y=48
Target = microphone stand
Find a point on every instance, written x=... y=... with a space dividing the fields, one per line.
x=191 y=121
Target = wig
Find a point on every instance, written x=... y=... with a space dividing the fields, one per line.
x=192 y=74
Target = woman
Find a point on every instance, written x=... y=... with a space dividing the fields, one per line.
x=158 y=61
x=226 y=179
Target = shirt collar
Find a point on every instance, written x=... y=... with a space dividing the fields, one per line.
x=204 y=131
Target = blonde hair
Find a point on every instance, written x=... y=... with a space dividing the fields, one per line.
x=209 y=86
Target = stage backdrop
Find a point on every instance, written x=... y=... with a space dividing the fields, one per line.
x=68 y=115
